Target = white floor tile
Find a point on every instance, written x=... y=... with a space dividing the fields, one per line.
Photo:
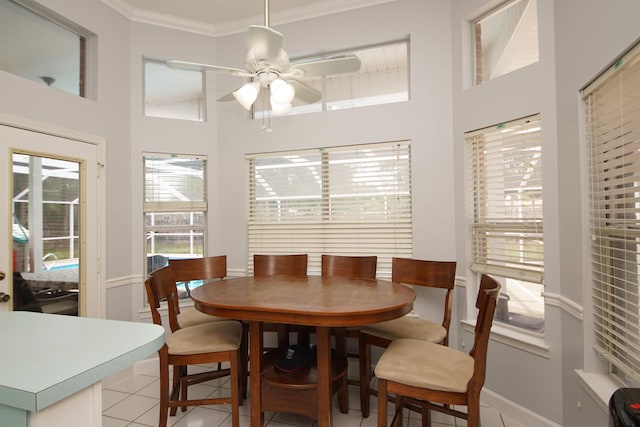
x=202 y=416
x=131 y=408
x=132 y=384
x=111 y=397
x=134 y=402
x=113 y=422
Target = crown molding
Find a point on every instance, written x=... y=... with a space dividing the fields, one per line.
x=324 y=8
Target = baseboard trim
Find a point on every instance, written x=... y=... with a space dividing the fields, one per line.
x=515 y=411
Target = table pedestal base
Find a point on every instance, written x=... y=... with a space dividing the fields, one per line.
x=297 y=392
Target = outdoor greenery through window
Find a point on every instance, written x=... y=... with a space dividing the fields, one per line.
x=504 y=208
x=353 y=200
x=383 y=79
x=506 y=39
x=175 y=208
x=613 y=134
x=42 y=46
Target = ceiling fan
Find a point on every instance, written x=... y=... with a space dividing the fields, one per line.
x=268 y=67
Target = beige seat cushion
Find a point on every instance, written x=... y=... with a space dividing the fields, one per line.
x=206 y=338
x=407 y=327
x=423 y=364
x=192 y=317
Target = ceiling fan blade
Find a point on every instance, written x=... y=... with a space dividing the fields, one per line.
x=323 y=67
x=305 y=93
x=265 y=42
x=226 y=98
x=199 y=67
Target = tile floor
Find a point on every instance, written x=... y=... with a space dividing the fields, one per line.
x=133 y=401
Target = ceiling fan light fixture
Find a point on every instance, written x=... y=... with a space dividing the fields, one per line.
x=280 y=108
x=282 y=92
x=247 y=94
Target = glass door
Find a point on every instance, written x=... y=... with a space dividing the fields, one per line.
x=49 y=206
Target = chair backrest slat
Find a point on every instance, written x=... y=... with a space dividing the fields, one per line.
x=186 y=270
x=161 y=285
x=352 y=267
x=486 y=304
x=280 y=265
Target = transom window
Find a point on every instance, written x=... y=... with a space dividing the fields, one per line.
x=353 y=200
x=42 y=46
x=506 y=39
x=383 y=79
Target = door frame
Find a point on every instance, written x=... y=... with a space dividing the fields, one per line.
x=97 y=307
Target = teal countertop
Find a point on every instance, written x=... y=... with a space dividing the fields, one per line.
x=45 y=358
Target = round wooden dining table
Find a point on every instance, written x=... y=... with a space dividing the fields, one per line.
x=321 y=302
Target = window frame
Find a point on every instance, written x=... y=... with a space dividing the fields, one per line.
x=172 y=207
x=615 y=324
x=58 y=25
x=476 y=42
x=496 y=220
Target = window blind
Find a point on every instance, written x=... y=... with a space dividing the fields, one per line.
x=613 y=137
x=353 y=200
x=174 y=182
x=175 y=207
x=504 y=199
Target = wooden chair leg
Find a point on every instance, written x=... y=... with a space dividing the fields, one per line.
x=244 y=359
x=283 y=336
x=184 y=394
x=473 y=412
x=163 y=355
x=175 y=388
x=365 y=376
x=382 y=403
x=236 y=369
x=398 y=416
x=343 y=396
x=426 y=416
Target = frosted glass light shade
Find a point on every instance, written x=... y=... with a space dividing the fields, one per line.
x=247 y=94
x=278 y=108
x=282 y=92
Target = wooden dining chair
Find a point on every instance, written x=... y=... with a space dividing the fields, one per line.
x=351 y=267
x=205 y=269
x=280 y=265
x=430 y=274
x=435 y=375
x=209 y=342
x=208 y=269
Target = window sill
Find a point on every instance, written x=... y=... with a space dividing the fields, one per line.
x=599 y=386
x=531 y=343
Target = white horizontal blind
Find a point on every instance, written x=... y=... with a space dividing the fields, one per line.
x=175 y=207
x=352 y=200
x=613 y=123
x=174 y=182
x=504 y=199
